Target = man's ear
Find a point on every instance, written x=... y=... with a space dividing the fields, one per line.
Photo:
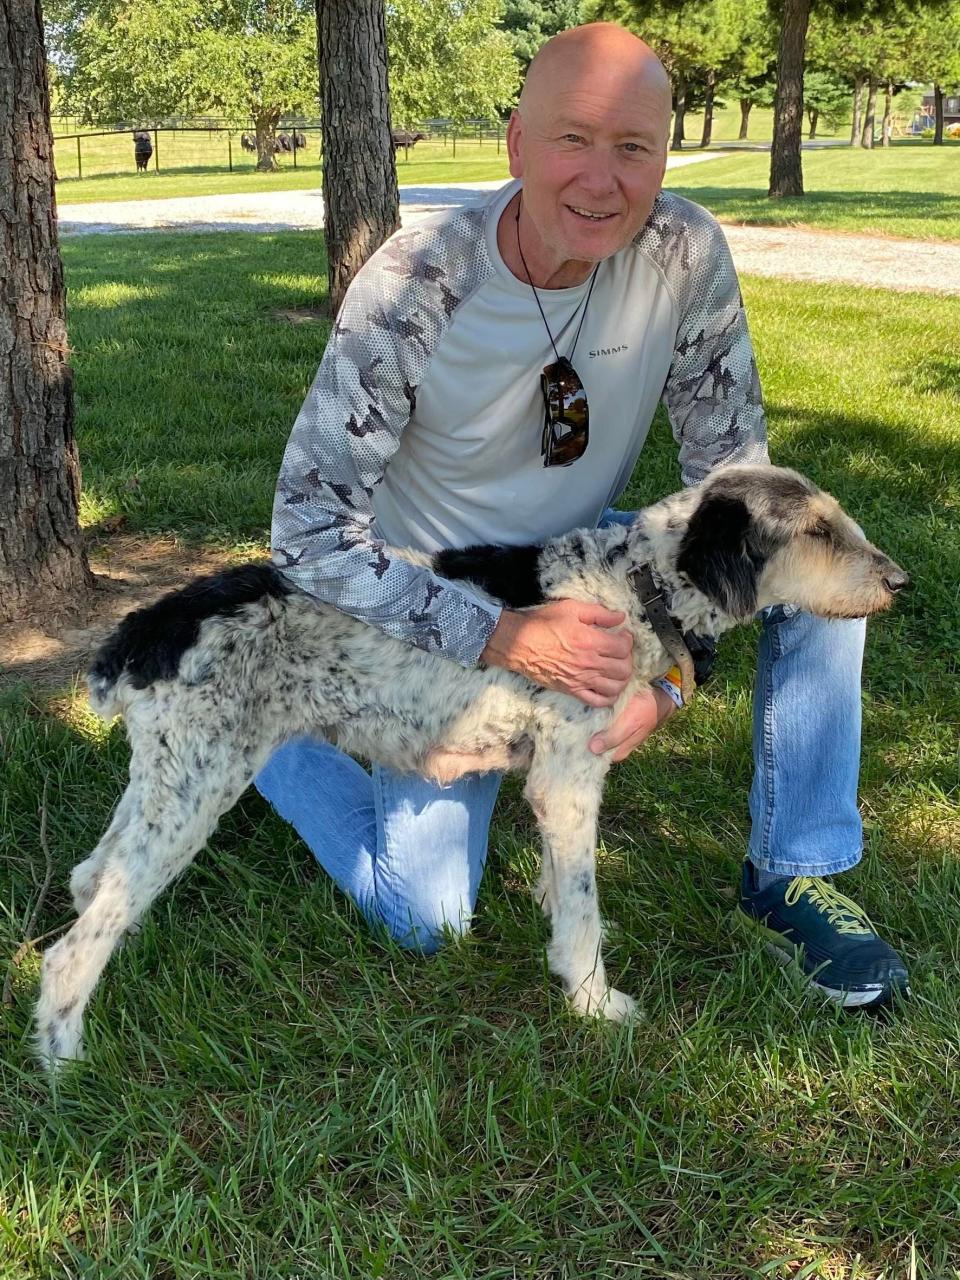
x=514 y=129
x=719 y=556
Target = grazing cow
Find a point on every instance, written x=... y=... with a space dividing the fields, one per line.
x=299 y=139
x=142 y=150
x=404 y=138
x=283 y=142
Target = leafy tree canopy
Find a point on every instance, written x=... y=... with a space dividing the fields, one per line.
x=530 y=23
x=142 y=59
x=448 y=58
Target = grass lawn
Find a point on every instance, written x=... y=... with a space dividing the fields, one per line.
x=911 y=189
x=273 y=1092
x=192 y=165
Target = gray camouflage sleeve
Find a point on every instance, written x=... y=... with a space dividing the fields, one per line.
x=344 y=436
x=712 y=393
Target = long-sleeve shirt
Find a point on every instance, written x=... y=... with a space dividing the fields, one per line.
x=423 y=424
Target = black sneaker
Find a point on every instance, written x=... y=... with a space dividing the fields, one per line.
x=831 y=937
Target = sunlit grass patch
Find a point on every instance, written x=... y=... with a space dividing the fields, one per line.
x=274 y=1091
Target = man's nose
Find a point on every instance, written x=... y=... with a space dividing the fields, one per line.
x=597 y=176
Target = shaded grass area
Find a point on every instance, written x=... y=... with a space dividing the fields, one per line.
x=272 y=1091
x=911 y=189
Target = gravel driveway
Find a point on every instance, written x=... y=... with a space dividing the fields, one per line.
x=839 y=258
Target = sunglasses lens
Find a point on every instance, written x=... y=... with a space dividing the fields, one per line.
x=566 y=428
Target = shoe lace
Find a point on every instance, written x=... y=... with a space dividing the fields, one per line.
x=841 y=912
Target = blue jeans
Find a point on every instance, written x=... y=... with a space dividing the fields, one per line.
x=410 y=854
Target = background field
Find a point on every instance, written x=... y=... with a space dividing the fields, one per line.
x=272 y=1091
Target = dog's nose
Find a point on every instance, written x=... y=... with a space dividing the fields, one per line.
x=894 y=579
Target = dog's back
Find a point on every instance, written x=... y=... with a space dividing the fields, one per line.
x=149 y=643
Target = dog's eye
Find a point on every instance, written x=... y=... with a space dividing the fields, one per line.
x=821 y=531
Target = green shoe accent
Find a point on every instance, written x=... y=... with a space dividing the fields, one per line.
x=830 y=936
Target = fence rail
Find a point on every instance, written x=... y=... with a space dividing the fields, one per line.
x=213 y=145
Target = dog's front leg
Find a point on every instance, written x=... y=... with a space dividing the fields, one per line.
x=564 y=788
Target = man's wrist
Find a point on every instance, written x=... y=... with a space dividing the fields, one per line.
x=498 y=651
x=671 y=685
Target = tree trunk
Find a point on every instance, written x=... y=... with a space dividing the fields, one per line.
x=745 y=105
x=786 y=171
x=360 y=197
x=869 y=119
x=857 y=109
x=266 y=126
x=43 y=568
x=708 y=109
x=679 y=113
x=813 y=115
x=938 y=116
x=887 y=128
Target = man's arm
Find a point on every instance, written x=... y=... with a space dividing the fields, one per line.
x=712 y=392
x=344 y=436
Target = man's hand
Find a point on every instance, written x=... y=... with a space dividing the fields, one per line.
x=638 y=719
x=568 y=646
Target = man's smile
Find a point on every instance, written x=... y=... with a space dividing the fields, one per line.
x=591 y=214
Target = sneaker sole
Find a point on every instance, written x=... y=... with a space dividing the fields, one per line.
x=784 y=953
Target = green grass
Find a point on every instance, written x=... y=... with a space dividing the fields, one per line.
x=273 y=1092
x=195 y=164
x=910 y=189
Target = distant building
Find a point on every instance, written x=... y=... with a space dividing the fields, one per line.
x=951 y=107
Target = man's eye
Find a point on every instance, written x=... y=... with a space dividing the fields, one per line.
x=572 y=137
x=634 y=147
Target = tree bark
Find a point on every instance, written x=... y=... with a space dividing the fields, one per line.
x=813 y=115
x=887 y=127
x=857 y=110
x=680 y=92
x=266 y=126
x=938 y=115
x=786 y=171
x=360 y=197
x=869 y=119
x=745 y=105
x=43 y=568
x=708 y=109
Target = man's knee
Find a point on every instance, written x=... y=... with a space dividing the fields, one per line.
x=428 y=928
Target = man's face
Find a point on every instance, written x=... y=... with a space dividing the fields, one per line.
x=592 y=160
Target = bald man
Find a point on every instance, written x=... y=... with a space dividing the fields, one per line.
x=425 y=427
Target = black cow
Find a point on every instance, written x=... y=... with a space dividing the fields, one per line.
x=404 y=138
x=248 y=141
x=142 y=150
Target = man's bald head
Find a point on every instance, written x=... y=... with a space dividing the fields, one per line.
x=589 y=143
x=602 y=52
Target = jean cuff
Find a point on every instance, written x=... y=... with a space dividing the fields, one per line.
x=782 y=867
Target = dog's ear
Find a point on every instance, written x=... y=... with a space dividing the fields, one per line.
x=720 y=555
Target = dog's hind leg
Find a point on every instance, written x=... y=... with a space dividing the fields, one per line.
x=85 y=876
x=166 y=816
x=564 y=791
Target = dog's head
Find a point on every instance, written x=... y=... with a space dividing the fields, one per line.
x=766 y=535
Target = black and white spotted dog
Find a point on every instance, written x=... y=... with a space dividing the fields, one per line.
x=212 y=679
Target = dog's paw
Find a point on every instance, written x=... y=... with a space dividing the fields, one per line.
x=615 y=1006
x=56 y=1045
x=618 y=1007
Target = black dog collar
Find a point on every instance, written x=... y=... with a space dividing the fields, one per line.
x=665 y=629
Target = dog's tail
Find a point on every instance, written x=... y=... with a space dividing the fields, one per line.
x=149 y=643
